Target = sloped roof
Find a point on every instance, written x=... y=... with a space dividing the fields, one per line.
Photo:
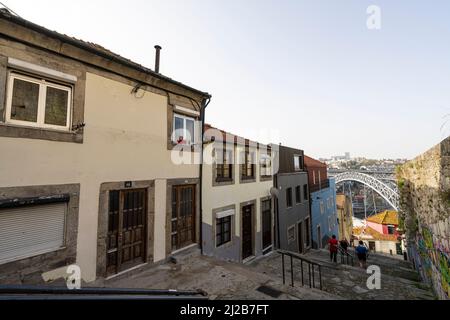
x=222 y=135
x=371 y=234
x=385 y=217
x=92 y=48
x=311 y=162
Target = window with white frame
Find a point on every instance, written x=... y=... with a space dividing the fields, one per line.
x=38 y=102
x=265 y=165
x=297 y=163
x=183 y=129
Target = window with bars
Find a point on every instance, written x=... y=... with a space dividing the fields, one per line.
x=248 y=167
x=223 y=230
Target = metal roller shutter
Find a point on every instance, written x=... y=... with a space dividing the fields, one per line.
x=31 y=230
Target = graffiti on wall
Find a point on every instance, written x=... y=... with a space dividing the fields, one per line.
x=434 y=260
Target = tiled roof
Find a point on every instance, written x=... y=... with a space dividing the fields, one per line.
x=225 y=135
x=311 y=162
x=92 y=47
x=372 y=234
x=385 y=217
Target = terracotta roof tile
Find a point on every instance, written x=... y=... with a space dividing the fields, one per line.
x=385 y=217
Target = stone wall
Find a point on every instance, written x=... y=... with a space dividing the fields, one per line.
x=424 y=185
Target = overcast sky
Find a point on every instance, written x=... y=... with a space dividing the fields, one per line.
x=307 y=74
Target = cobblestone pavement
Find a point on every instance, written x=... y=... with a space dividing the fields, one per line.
x=220 y=279
x=227 y=280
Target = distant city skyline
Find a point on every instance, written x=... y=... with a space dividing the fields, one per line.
x=309 y=70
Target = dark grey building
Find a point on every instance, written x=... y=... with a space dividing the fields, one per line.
x=292 y=210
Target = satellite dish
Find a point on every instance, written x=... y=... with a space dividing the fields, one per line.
x=274 y=192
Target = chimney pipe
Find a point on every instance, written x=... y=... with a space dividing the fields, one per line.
x=158 y=49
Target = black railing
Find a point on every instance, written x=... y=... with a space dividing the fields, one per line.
x=345 y=256
x=312 y=268
x=19 y=292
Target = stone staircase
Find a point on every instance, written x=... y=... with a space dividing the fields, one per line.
x=398 y=280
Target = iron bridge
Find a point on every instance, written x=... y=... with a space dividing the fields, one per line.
x=384 y=187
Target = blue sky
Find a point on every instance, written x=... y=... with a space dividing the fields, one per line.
x=308 y=74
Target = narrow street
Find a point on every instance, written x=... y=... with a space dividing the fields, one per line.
x=227 y=280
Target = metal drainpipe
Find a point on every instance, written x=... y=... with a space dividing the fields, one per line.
x=205 y=103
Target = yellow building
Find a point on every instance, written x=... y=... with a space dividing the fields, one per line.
x=345 y=216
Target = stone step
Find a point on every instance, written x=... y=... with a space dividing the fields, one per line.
x=182 y=256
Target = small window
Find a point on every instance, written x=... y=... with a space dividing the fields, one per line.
x=248 y=167
x=223 y=230
x=265 y=165
x=291 y=234
x=289 y=197
x=37 y=102
x=183 y=130
x=298 y=196
x=305 y=192
x=224 y=164
x=322 y=207
x=391 y=229
x=297 y=163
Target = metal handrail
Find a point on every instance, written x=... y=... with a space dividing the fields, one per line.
x=345 y=256
x=311 y=266
x=38 y=292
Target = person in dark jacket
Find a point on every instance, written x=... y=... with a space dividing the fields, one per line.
x=344 y=244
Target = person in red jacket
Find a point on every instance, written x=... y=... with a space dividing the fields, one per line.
x=333 y=246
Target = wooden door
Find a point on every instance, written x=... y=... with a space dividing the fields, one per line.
x=183 y=216
x=247 y=232
x=127 y=232
x=300 y=237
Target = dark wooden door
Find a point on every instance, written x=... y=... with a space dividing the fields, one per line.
x=247 y=232
x=266 y=223
x=127 y=232
x=300 y=237
x=183 y=216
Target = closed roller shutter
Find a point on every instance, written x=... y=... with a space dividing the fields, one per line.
x=31 y=230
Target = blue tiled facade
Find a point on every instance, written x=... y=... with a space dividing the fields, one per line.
x=324 y=215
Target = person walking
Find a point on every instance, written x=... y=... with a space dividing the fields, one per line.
x=361 y=252
x=333 y=246
x=344 y=244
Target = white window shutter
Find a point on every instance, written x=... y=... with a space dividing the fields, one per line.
x=31 y=230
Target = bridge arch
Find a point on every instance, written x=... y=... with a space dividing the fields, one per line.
x=388 y=193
